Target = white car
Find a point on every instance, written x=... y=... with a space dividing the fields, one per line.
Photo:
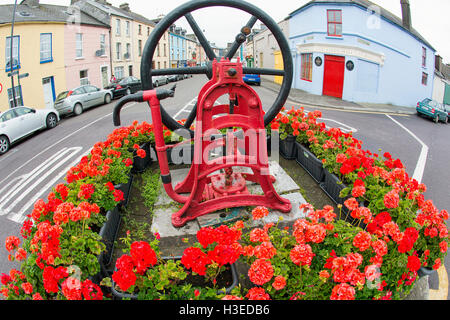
x=19 y=122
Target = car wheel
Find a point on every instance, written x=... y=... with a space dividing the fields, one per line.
x=156 y=84
x=446 y=120
x=107 y=98
x=436 y=119
x=128 y=91
x=51 y=121
x=78 y=109
x=4 y=144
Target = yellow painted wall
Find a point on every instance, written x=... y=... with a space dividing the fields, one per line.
x=29 y=53
x=278 y=65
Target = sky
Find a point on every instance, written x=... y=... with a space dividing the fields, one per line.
x=220 y=25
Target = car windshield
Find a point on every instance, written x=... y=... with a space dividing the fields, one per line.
x=62 y=96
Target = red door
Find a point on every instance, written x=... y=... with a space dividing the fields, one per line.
x=333 y=79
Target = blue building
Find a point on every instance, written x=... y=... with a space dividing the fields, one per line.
x=177 y=45
x=360 y=52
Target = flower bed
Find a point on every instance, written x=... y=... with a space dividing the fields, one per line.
x=320 y=257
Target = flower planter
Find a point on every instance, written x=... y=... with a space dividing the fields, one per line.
x=109 y=233
x=234 y=275
x=140 y=164
x=177 y=156
x=125 y=188
x=310 y=163
x=425 y=271
x=287 y=148
x=332 y=186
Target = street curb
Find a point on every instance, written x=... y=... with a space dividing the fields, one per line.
x=347 y=108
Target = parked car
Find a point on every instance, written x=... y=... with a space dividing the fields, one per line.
x=79 y=99
x=175 y=77
x=433 y=110
x=125 y=86
x=252 y=79
x=159 y=80
x=20 y=122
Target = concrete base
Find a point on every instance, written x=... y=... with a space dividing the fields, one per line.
x=165 y=207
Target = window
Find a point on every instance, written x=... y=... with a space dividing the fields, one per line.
x=424 y=78
x=46 y=48
x=128 y=53
x=165 y=52
x=8 y=115
x=165 y=64
x=18 y=96
x=140 y=30
x=84 y=77
x=130 y=71
x=424 y=57
x=140 y=47
x=119 y=51
x=334 y=18
x=79 y=45
x=16 y=59
x=103 y=44
x=159 y=65
x=21 y=111
x=118 y=72
x=118 y=27
x=127 y=28
x=306 y=71
x=157 y=51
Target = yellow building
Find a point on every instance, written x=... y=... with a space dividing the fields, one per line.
x=40 y=64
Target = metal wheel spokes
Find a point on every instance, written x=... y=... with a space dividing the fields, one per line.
x=185 y=11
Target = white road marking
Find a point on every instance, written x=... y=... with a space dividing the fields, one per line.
x=19 y=217
x=184 y=109
x=421 y=162
x=61 y=140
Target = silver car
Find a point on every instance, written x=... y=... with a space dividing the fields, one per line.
x=20 y=122
x=77 y=100
x=159 y=80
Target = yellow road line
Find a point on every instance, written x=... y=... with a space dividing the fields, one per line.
x=442 y=292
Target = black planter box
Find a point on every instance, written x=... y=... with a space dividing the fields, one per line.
x=425 y=271
x=332 y=186
x=109 y=233
x=125 y=188
x=176 y=155
x=140 y=164
x=310 y=163
x=123 y=295
x=287 y=148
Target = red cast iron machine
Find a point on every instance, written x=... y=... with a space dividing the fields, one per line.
x=211 y=184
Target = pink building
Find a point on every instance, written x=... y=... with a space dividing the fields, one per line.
x=87 y=53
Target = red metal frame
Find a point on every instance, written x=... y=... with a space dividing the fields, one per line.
x=209 y=191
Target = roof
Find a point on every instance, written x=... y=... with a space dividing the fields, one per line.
x=366 y=4
x=43 y=13
x=112 y=10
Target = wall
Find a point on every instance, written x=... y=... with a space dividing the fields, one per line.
x=89 y=61
x=366 y=38
x=439 y=89
x=123 y=38
x=32 y=89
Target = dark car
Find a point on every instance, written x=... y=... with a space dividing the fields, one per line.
x=125 y=86
x=432 y=109
x=175 y=77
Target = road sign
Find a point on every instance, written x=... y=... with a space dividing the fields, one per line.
x=24 y=75
x=14 y=73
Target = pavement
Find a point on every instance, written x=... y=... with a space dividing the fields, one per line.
x=308 y=99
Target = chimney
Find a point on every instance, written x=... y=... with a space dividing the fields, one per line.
x=125 y=6
x=438 y=63
x=31 y=3
x=406 y=14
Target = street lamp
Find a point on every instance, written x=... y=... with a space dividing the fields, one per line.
x=11 y=54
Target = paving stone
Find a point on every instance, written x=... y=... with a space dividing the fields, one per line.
x=162 y=223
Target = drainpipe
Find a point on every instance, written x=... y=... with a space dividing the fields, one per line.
x=11 y=54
